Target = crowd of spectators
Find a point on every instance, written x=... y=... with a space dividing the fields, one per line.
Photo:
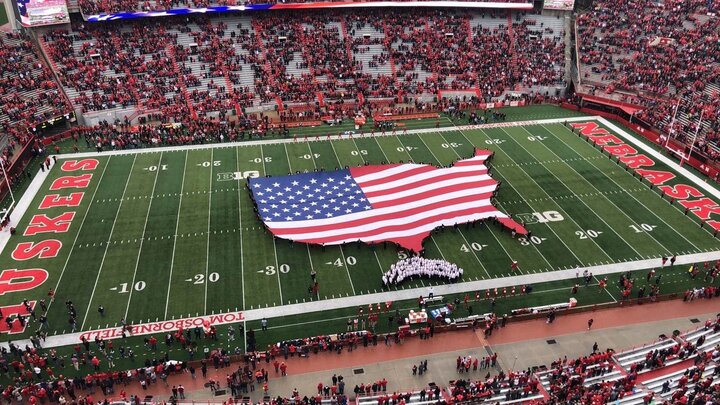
x=203 y=67
x=661 y=55
x=28 y=93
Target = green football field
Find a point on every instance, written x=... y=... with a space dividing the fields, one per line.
x=171 y=234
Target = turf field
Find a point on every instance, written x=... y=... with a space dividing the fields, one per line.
x=171 y=234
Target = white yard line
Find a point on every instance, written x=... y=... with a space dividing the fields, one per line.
x=107 y=244
x=242 y=257
x=342 y=253
x=207 y=248
x=277 y=265
x=142 y=239
x=77 y=235
x=175 y=236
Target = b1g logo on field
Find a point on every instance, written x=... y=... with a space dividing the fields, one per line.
x=229 y=176
x=539 y=217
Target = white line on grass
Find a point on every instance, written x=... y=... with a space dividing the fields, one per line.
x=142 y=239
x=578 y=197
x=277 y=266
x=177 y=224
x=207 y=249
x=242 y=258
x=640 y=202
x=77 y=235
x=606 y=289
x=342 y=253
x=107 y=245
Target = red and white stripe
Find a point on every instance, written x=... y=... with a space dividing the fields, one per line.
x=408 y=201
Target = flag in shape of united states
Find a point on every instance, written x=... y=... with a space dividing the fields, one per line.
x=400 y=203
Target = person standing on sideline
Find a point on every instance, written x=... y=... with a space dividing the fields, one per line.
x=264 y=323
x=590 y=323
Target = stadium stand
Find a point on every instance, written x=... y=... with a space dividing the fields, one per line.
x=307 y=67
x=664 y=352
x=28 y=93
x=657 y=55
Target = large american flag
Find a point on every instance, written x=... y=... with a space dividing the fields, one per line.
x=400 y=203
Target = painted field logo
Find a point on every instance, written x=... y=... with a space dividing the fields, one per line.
x=399 y=203
x=539 y=217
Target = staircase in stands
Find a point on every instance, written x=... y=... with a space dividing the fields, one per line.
x=170 y=50
x=511 y=49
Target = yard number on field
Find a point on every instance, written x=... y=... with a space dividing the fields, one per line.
x=350 y=260
x=270 y=270
x=474 y=246
x=125 y=287
x=359 y=152
x=309 y=156
x=267 y=159
x=643 y=228
x=494 y=141
x=208 y=164
x=534 y=240
x=451 y=145
x=154 y=168
x=200 y=278
x=537 y=138
x=590 y=233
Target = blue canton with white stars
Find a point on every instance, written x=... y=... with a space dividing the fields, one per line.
x=308 y=196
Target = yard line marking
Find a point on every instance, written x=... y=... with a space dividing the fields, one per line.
x=572 y=252
x=77 y=235
x=112 y=229
x=342 y=253
x=177 y=223
x=580 y=199
x=207 y=249
x=242 y=258
x=137 y=262
x=277 y=266
x=640 y=202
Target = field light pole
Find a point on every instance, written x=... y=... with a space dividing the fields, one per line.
x=672 y=124
x=697 y=131
x=7 y=181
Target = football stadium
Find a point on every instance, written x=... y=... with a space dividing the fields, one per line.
x=280 y=202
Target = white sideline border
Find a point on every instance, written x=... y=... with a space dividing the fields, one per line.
x=408 y=294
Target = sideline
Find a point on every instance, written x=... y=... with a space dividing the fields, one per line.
x=23 y=204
